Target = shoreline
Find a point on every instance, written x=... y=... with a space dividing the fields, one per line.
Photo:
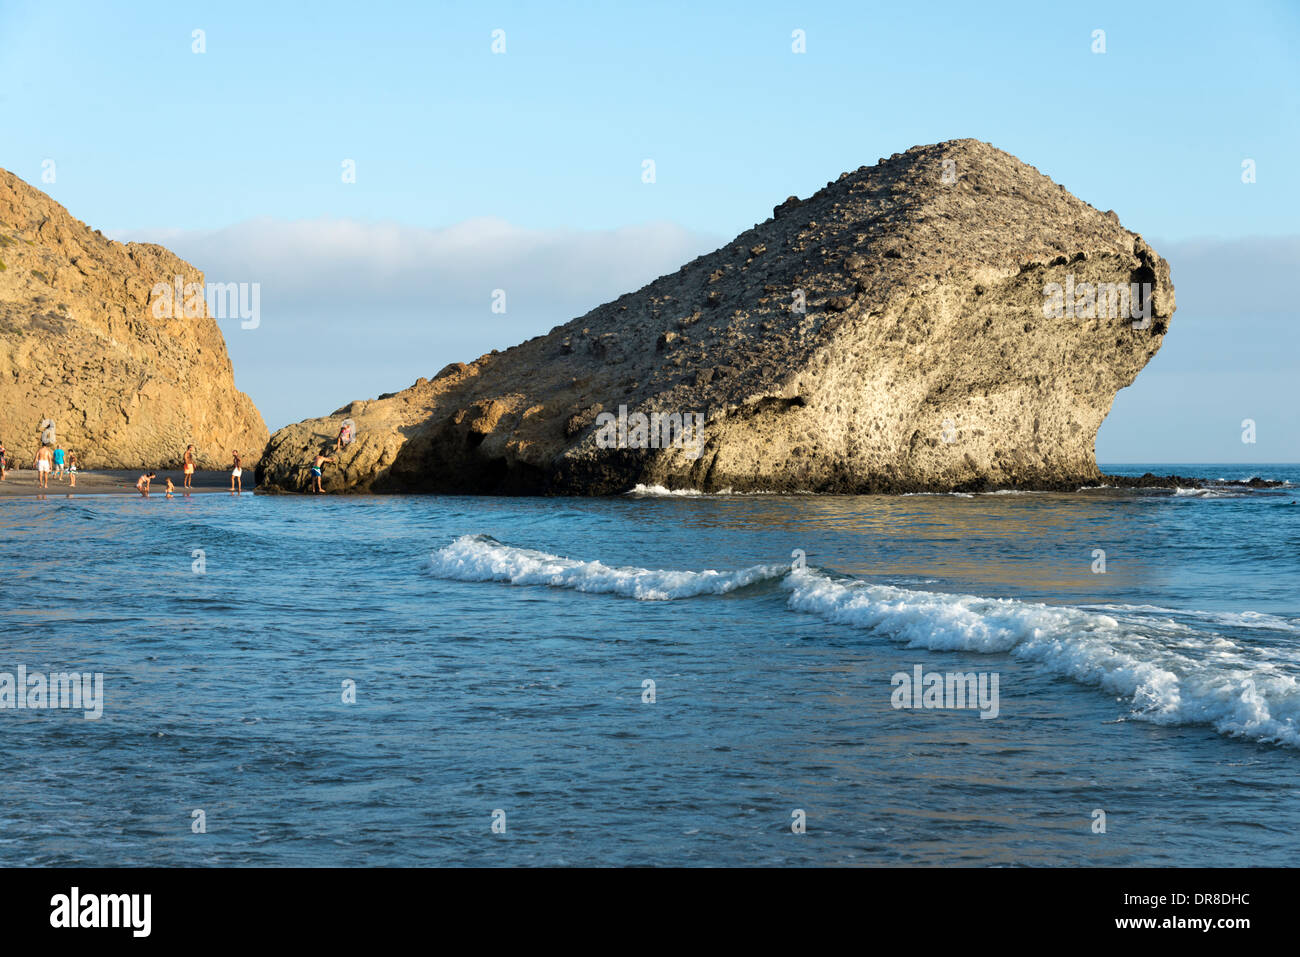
x=21 y=483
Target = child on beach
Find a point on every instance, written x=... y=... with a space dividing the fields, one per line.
x=169 y=487
x=316 y=470
x=188 y=466
x=142 y=483
x=235 y=476
x=72 y=470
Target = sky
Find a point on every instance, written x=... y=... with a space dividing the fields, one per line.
x=523 y=170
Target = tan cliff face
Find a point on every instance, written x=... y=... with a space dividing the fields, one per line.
x=898 y=331
x=80 y=344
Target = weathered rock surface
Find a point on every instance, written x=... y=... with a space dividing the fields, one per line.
x=79 y=344
x=886 y=334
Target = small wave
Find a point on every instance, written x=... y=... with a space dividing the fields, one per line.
x=659 y=491
x=1210 y=493
x=481 y=558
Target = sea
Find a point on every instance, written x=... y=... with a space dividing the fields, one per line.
x=663 y=678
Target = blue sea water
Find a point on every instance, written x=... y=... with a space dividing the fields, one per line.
x=500 y=650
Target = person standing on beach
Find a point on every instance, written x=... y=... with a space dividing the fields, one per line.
x=44 y=457
x=58 y=462
x=72 y=470
x=236 y=473
x=188 y=466
x=142 y=483
x=316 y=470
x=4 y=461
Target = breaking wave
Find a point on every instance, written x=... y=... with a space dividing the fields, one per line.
x=481 y=558
x=658 y=491
x=1173 y=667
x=1171 y=672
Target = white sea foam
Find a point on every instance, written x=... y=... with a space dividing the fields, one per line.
x=1228 y=619
x=659 y=491
x=1171 y=673
x=480 y=558
x=1211 y=493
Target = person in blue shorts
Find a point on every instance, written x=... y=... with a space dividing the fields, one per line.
x=315 y=470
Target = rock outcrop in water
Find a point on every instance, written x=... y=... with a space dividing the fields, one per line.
x=947 y=319
x=80 y=344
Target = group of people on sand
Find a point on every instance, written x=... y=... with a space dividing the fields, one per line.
x=54 y=460
x=188 y=467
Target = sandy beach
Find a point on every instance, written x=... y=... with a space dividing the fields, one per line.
x=22 y=482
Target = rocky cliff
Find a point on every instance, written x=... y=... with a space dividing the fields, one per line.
x=947 y=319
x=81 y=344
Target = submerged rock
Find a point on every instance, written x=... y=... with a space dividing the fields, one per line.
x=80 y=345
x=947 y=319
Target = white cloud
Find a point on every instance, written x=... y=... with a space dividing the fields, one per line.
x=339 y=264
x=1232 y=278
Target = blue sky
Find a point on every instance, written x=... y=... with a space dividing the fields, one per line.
x=239 y=150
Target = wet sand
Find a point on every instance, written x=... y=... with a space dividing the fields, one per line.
x=22 y=482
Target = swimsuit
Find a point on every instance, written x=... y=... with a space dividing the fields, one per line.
x=237 y=472
x=43 y=465
x=189 y=468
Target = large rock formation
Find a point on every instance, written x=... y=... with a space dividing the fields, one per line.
x=897 y=331
x=80 y=344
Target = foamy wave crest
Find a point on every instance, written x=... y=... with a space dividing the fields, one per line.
x=659 y=491
x=1170 y=672
x=1228 y=619
x=1210 y=493
x=480 y=558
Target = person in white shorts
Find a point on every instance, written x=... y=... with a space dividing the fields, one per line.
x=236 y=482
x=44 y=459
